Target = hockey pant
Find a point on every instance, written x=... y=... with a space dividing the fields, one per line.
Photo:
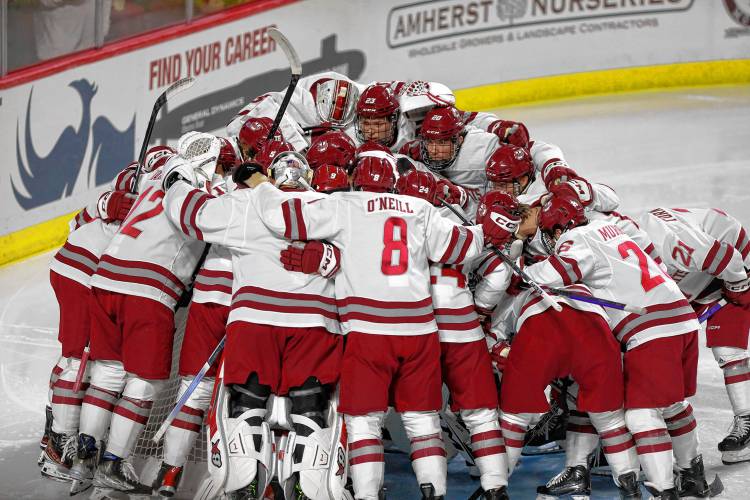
x=125 y=415
x=736 y=366
x=659 y=433
x=66 y=404
x=487 y=446
x=186 y=426
x=366 y=462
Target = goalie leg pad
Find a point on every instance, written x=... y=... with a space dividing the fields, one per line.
x=427 y=448
x=249 y=451
x=131 y=414
x=487 y=446
x=309 y=400
x=66 y=404
x=366 y=459
x=185 y=428
x=251 y=395
x=107 y=382
x=681 y=426
x=618 y=444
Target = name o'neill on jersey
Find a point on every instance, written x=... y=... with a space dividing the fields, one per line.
x=388 y=203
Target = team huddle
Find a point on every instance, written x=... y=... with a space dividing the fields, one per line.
x=377 y=246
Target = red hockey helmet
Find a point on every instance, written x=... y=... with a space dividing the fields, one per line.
x=270 y=150
x=507 y=165
x=335 y=101
x=369 y=147
x=156 y=157
x=377 y=115
x=441 y=134
x=497 y=198
x=332 y=148
x=511 y=132
x=561 y=212
x=418 y=184
x=253 y=134
x=229 y=156
x=329 y=179
x=374 y=174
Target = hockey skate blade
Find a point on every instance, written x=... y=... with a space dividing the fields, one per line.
x=542 y=496
x=545 y=449
x=79 y=486
x=736 y=457
x=56 y=472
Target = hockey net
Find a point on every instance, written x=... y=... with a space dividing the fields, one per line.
x=163 y=404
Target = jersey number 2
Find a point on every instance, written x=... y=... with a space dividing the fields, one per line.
x=392 y=245
x=128 y=228
x=648 y=282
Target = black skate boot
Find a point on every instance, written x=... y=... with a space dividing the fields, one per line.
x=57 y=457
x=670 y=494
x=84 y=464
x=739 y=436
x=572 y=482
x=500 y=493
x=628 y=486
x=691 y=482
x=428 y=492
x=167 y=480
x=47 y=427
x=114 y=473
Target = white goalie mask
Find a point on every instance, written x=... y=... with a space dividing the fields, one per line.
x=290 y=169
x=335 y=101
x=418 y=97
x=201 y=152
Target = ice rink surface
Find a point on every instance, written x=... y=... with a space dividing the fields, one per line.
x=681 y=148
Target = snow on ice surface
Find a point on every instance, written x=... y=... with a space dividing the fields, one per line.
x=682 y=148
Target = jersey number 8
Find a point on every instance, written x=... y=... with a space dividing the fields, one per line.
x=392 y=245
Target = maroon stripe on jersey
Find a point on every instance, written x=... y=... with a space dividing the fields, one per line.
x=416 y=304
x=711 y=255
x=725 y=259
x=376 y=311
x=293 y=221
x=214 y=281
x=262 y=306
x=561 y=270
x=534 y=301
x=147 y=266
x=77 y=257
x=138 y=280
x=194 y=214
x=489 y=264
x=286 y=295
x=655 y=315
x=657 y=322
x=624 y=217
x=189 y=211
x=371 y=318
x=460 y=242
x=212 y=288
x=468 y=240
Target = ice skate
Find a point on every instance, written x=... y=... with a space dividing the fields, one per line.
x=735 y=447
x=47 y=428
x=84 y=464
x=668 y=494
x=119 y=475
x=428 y=492
x=572 y=482
x=628 y=486
x=691 y=482
x=500 y=493
x=57 y=457
x=167 y=480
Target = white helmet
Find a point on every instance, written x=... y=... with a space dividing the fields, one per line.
x=335 y=101
x=418 y=97
x=201 y=151
x=290 y=169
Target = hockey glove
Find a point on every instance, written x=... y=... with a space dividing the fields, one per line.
x=313 y=257
x=451 y=193
x=499 y=226
x=114 y=205
x=499 y=355
x=738 y=292
x=245 y=171
x=578 y=188
x=556 y=172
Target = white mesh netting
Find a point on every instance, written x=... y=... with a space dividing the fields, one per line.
x=164 y=403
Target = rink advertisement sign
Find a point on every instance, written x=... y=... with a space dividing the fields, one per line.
x=63 y=137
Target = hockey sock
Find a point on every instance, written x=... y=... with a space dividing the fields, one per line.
x=653 y=445
x=185 y=428
x=618 y=444
x=737 y=382
x=366 y=461
x=487 y=446
x=580 y=439
x=427 y=448
x=514 y=427
x=248 y=396
x=309 y=400
x=107 y=381
x=682 y=429
x=131 y=414
x=53 y=376
x=66 y=404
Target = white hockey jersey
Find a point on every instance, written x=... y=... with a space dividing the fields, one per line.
x=527 y=304
x=150 y=256
x=89 y=236
x=386 y=243
x=601 y=256
x=456 y=318
x=263 y=292
x=699 y=245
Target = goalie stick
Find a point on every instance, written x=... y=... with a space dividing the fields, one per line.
x=173 y=89
x=539 y=290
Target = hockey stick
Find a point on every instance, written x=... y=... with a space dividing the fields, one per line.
x=549 y=301
x=173 y=89
x=296 y=68
x=712 y=310
x=186 y=395
x=557 y=291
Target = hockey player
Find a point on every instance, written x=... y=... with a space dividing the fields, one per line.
x=282 y=334
x=253 y=134
x=206 y=326
x=600 y=255
x=70 y=272
x=332 y=148
x=464 y=360
x=392 y=352
x=329 y=179
x=707 y=252
x=139 y=279
x=379 y=119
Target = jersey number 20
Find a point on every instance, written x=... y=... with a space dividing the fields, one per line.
x=392 y=246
